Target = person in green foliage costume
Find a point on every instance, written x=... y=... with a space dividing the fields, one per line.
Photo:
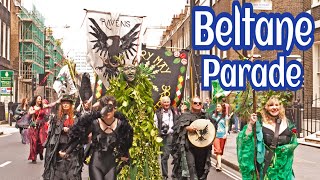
x=133 y=91
x=280 y=166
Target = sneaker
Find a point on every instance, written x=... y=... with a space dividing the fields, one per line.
x=218 y=169
x=34 y=162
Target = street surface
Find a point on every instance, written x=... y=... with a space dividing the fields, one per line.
x=14 y=163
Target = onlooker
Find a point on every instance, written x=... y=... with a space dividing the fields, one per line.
x=220 y=118
x=20 y=111
x=165 y=118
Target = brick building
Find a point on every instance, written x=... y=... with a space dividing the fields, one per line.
x=33 y=50
x=6 y=65
x=177 y=35
x=5 y=35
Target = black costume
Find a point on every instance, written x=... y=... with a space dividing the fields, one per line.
x=55 y=167
x=190 y=162
x=105 y=147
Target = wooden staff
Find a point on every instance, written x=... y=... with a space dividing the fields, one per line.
x=254 y=126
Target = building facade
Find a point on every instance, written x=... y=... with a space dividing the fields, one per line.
x=7 y=88
x=36 y=53
x=177 y=35
x=5 y=34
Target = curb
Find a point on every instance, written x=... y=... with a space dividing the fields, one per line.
x=228 y=163
x=3 y=122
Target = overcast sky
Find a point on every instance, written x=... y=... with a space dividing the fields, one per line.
x=59 y=13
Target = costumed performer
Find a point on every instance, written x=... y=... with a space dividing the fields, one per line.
x=37 y=131
x=55 y=167
x=276 y=142
x=190 y=162
x=111 y=139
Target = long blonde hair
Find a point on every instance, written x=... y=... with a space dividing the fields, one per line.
x=266 y=117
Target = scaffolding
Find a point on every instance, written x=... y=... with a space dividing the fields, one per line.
x=36 y=45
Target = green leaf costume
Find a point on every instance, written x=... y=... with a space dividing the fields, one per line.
x=136 y=103
x=281 y=164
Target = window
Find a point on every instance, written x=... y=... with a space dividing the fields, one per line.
x=316 y=70
x=0 y=38
x=4 y=38
x=8 y=43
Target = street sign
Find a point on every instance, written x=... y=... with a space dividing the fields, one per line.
x=6 y=78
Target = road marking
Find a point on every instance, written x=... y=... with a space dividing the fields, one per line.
x=230 y=174
x=4 y=164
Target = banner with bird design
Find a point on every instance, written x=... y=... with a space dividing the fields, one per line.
x=112 y=41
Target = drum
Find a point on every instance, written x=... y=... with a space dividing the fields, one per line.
x=204 y=135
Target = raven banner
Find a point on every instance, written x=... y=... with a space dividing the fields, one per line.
x=112 y=41
x=172 y=68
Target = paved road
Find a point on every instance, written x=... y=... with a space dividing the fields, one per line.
x=15 y=166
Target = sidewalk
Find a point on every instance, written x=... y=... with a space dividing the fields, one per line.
x=7 y=129
x=306 y=160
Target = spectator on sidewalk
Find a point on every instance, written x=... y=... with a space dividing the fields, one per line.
x=220 y=118
x=190 y=161
x=276 y=142
x=164 y=119
x=20 y=111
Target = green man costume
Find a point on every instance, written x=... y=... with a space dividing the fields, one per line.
x=133 y=91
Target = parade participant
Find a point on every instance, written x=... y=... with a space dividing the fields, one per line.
x=190 y=161
x=37 y=131
x=20 y=111
x=55 y=167
x=276 y=142
x=111 y=139
x=133 y=91
x=164 y=118
x=220 y=119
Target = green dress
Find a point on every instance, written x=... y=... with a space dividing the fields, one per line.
x=281 y=164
